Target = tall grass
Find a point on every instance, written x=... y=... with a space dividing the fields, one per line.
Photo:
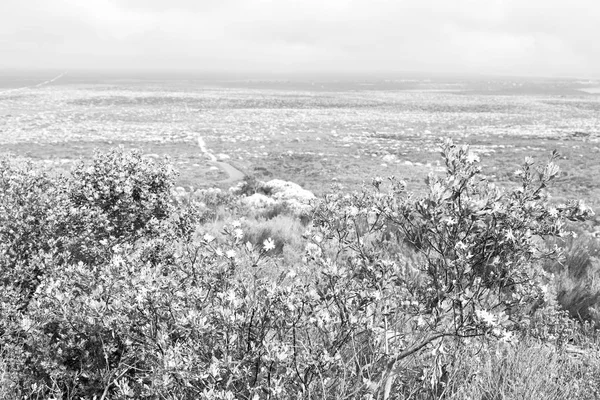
x=286 y=233
x=526 y=371
x=577 y=274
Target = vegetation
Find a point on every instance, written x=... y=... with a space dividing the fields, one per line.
x=112 y=288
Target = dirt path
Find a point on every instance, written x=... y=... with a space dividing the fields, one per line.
x=233 y=173
x=34 y=86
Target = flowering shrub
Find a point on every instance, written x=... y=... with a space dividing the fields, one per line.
x=129 y=305
x=28 y=204
x=119 y=198
x=475 y=271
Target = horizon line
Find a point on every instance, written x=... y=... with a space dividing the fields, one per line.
x=290 y=75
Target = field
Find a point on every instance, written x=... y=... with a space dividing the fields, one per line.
x=315 y=133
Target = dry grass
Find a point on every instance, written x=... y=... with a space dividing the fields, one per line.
x=524 y=371
x=286 y=232
x=577 y=275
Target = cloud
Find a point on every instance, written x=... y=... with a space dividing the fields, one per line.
x=527 y=37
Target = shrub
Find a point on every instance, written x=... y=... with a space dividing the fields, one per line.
x=479 y=272
x=132 y=306
x=121 y=192
x=47 y=226
x=119 y=198
x=29 y=203
x=250 y=185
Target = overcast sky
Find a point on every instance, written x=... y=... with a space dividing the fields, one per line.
x=514 y=37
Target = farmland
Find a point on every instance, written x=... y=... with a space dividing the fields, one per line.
x=315 y=133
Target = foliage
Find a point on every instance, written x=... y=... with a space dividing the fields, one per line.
x=250 y=185
x=119 y=198
x=28 y=202
x=130 y=303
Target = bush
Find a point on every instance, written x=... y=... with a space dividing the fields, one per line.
x=119 y=198
x=128 y=304
x=29 y=203
x=48 y=225
x=251 y=185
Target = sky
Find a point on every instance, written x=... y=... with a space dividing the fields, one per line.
x=485 y=37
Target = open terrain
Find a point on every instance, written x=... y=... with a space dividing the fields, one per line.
x=313 y=133
x=116 y=284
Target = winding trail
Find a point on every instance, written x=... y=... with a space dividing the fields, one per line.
x=234 y=174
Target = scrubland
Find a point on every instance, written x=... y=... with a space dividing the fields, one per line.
x=471 y=274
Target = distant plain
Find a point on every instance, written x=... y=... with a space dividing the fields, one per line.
x=314 y=132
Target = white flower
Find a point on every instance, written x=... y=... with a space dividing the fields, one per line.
x=460 y=246
x=236 y=224
x=472 y=157
x=508 y=337
x=449 y=221
x=269 y=244
x=219 y=252
x=239 y=234
x=313 y=250
x=249 y=246
x=352 y=211
x=26 y=323
x=208 y=238
x=486 y=317
x=230 y=253
x=544 y=289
